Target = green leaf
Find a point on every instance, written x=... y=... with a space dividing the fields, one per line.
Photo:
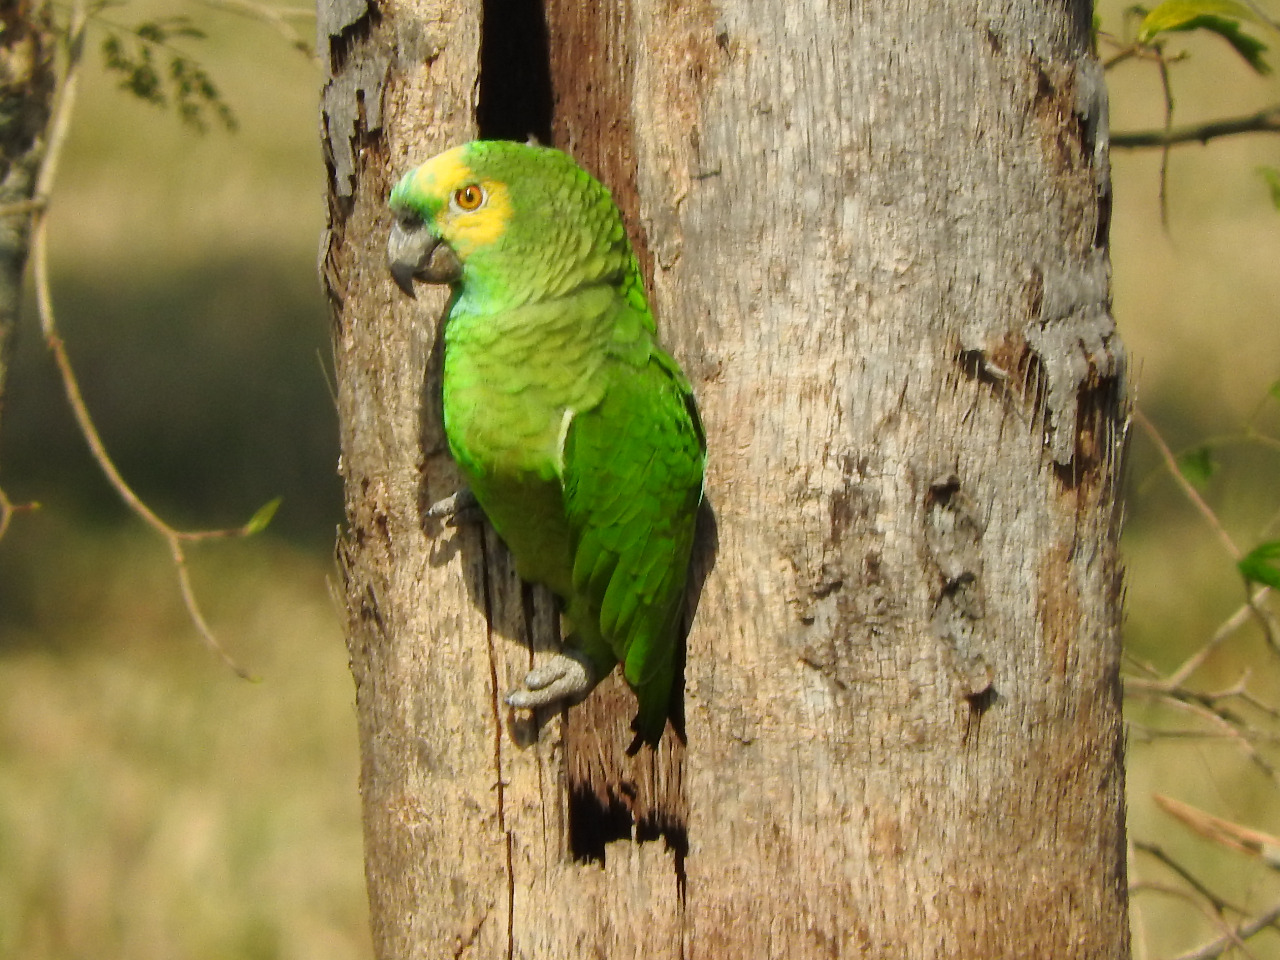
x=151 y=32
x=1250 y=48
x=1178 y=15
x=1262 y=564
x=1198 y=466
x=186 y=84
x=258 y=522
x=1271 y=176
x=1274 y=390
x=1222 y=17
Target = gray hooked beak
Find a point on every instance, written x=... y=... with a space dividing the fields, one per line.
x=415 y=253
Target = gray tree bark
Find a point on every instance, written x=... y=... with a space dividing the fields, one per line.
x=26 y=95
x=876 y=237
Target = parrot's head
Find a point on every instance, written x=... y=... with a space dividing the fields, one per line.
x=505 y=223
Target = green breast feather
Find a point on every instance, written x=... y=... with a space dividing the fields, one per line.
x=576 y=433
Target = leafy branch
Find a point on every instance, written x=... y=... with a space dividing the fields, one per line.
x=277 y=17
x=135 y=55
x=1231 y=21
x=177 y=540
x=153 y=69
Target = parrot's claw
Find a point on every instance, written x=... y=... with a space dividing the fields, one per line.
x=462 y=507
x=566 y=676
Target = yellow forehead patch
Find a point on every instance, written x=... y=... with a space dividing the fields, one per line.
x=443 y=173
x=443 y=176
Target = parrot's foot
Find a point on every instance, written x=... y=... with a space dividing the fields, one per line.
x=566 y=676
x=462 y=507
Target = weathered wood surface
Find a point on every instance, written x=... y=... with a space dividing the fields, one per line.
x=877 y=240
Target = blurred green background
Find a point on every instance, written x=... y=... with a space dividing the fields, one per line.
x=153 y=805
x=1198 y=304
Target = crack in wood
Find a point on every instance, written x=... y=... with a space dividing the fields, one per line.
x=496 y=706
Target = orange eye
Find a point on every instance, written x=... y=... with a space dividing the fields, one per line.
x=469 y=197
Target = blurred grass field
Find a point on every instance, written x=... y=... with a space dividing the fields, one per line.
x=153 y=805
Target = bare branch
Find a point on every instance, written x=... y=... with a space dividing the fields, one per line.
x=1216 y=948
x=1231 y=725
x=1200 y=702
x=1144 y=734
x=1228 y=627
x=1262 y=15
x=1264 y=121
x=8 y=508
x=1137 y=921
x=89 y=430
x=1190 y=491
x=22 y=207
x=1255 y=843
x=59 y=125
x=276 y=17
x=1210 y=914
x=1167 y=90
x=1263 y=617
x=1218 y=903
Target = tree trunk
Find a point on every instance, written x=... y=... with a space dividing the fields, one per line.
x=26 y=95
x=876 y=239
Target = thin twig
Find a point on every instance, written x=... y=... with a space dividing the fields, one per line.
x=1262 y=15
x=1119 y=58
x=1231 y=725
x=8 y=508
x=276 y=17
x=1144 y=734
x=22 y=207
x=1200 y=703
x=1264 y=121
x=1136 y=920
x=1188 y=490
x=1218 y=903
x=1132 y=49
x=1257 y=704
x=1228 y=627
x=1216 y=948
x=1167 y=89
x=1161 y=688
x=1146 y=667
x=1254 y=843
x=1260 y=612
x=58 y=128
x=1209 y=914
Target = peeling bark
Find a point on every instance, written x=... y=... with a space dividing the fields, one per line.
x=876 y=240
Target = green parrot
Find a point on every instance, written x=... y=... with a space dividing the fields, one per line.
x=576 y=433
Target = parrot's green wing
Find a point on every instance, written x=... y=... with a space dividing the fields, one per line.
x=633 y=468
